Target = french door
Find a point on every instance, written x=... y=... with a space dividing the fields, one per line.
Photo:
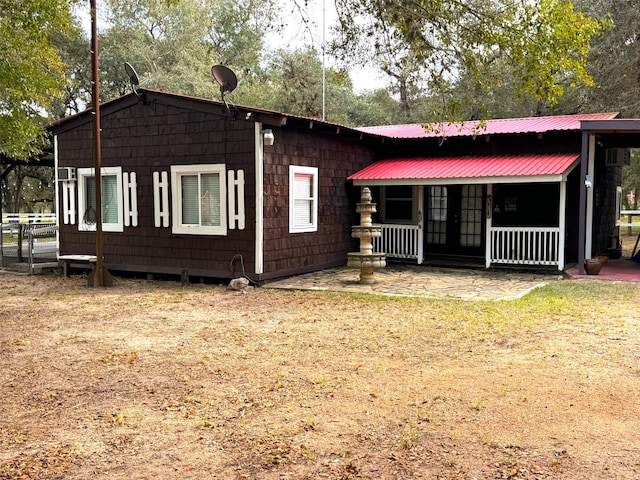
x=454 y=219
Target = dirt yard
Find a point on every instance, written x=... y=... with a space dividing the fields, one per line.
x=150 y=380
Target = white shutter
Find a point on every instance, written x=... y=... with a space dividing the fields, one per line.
x=161 y=199
x=235 y=190
x=130 y=194
x=68 y=202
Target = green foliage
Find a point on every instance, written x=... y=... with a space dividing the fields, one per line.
x=541 y=46
x=614 y=61
x=75 y=52
x=292 y=83
x=173 y=45
x=31 y=72
x=28 y=188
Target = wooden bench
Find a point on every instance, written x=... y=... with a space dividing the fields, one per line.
x=80 y=261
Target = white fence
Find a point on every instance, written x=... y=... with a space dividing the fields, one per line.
x=629 y=223
x=525 y=245
x=28 y=238
x=399 y=241
x=28 y=218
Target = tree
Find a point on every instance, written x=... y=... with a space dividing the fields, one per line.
x=31 y=72
x=75 y=51
x=291 y=82
x=28 y=188
x=543 y=45
x=614 y=61
x=174 y=44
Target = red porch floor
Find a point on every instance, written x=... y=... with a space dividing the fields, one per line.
x=621 y=269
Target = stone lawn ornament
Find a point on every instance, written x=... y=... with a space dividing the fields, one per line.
x=366 y=260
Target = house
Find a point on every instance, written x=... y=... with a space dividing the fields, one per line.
x=189 y=185
x=500 y=192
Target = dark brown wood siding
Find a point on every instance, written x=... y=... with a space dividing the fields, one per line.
x=147 y=138
x=336 y=158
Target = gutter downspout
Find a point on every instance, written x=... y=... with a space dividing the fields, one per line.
x=56 y=162
x=259 y=176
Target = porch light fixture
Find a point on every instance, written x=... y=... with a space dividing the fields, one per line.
x=588 y=181
x=267 y=136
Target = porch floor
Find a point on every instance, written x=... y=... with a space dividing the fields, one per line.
x=621 y=269
x=423 y=281
x=437 y=282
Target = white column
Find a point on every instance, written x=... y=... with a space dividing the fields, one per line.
x=562 y=223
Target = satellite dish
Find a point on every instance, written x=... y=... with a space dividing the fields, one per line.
x=225 y=78
x=227 y=81
x=134 y=79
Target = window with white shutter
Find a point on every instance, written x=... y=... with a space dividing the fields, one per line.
x=199 y=199
x=303 y=199
x=111 y=199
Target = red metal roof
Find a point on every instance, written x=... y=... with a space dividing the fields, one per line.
x=467 y=167
x=490 y=127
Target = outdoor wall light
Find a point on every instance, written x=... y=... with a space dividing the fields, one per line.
x=588 y=181
x=267 y=136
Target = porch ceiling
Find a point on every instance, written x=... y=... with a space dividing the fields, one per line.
x=468 y=170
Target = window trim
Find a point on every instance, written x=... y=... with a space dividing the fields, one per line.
x=300 y=170
x=84 y=173
x=412 y=201
x=177 y=227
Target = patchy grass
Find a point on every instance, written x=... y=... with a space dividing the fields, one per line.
x=150 y=379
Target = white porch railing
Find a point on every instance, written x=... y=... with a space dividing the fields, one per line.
x=525 y=245
x=399 y=241
x=508 y=245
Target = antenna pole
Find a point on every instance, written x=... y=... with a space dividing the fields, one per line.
x=324 y=87
x=100 y=277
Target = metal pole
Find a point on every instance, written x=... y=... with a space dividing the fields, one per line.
x=324 y=74
x=99 y=277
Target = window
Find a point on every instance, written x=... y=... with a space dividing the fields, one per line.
x=303 y=199
x=397 y=205
x=471 y=216
x=199 y=199
x=111 y=199
x=436 y=230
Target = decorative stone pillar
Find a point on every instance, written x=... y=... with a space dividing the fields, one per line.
x=366 y=260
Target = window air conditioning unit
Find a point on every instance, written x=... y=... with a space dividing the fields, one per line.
x=617 y=157
x=66 y=174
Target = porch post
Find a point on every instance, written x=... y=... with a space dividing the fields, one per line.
x=488 y=216
x=562 y=223
x=590 y=194
x=420 y=224
x=582 y=207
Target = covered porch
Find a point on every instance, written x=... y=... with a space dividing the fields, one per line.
x=496 y=210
